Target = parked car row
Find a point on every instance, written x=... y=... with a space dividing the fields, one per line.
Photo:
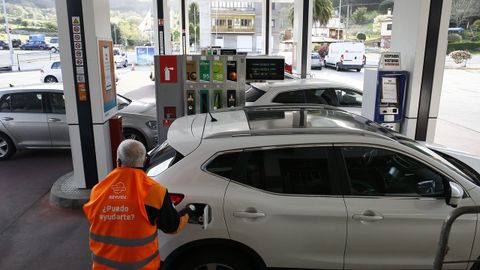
x=32 y=45
x=15 y=42
x=33 y=117
x=35 y=45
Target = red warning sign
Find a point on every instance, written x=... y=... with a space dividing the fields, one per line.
x=168 y=69
x=78 y=53
x=77 y=37
x=76 y=29
x=78 y=61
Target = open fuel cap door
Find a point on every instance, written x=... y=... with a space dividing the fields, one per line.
x=206 y=216
x=202 y=215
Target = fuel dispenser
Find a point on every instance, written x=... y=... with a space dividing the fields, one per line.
x=192 y=84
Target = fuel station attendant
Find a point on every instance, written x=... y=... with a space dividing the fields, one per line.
x=125 y=210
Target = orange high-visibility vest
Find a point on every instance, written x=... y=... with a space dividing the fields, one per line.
x=121 y=236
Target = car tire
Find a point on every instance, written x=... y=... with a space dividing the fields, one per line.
x=125 y=64
x=50 y=79
x=215 y=259
x=337 y=68
x=133 y=134
x=7 y=148
x=358 y=69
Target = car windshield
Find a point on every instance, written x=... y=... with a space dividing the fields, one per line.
x=122 y=102
x=427 y=151
x=253 y=94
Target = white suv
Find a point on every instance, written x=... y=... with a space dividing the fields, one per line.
x=309 y=187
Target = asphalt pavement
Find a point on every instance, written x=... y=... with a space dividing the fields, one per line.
x=34 y=234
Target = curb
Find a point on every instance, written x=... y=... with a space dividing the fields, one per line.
x=64 y=194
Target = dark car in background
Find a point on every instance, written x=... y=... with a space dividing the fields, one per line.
x=35 y=45
x=16 y=42
x=4 y=45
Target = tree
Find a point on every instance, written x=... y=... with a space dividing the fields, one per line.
x=476 y=25
x=462 y=9
x=359 y=16
x=52 y=26
x=194 y=25
x=322 y=11
x=117 y=35
x=385 y=5
x=361 y=36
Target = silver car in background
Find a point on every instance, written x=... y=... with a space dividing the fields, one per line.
x=33 y=117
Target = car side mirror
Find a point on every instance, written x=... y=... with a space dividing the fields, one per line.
x=456 y=194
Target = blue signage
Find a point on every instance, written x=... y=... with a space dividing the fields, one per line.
x=144 y=55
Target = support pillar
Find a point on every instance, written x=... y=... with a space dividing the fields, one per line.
x=302 y=23
x=162 y=32
x=267 y=10
x=420 y=30
x=90 y=97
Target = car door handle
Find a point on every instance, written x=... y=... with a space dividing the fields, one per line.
x=368 y=216
x=7 y=118
x=54 y=120
x=243 y=214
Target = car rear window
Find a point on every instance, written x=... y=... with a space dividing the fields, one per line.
x=224 y=164
x=253 y=94
x=161 y=158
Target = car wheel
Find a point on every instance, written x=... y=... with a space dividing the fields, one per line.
x=125 y=64
x=358 y=69
x=50 y=79
x=134 y=135
x=7 y=149
x=337 y=68
x=215 y=259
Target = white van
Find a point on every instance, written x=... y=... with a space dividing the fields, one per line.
x=346 y=55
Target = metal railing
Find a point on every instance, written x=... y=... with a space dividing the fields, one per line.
x=445 y=233
x=35 y=59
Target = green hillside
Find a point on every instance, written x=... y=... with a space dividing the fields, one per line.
x=39 y=16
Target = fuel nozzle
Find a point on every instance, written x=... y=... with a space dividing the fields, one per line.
x=189 y=209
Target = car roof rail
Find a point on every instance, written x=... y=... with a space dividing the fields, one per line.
x=299 y=131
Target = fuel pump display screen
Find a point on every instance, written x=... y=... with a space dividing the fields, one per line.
x=265 y=69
